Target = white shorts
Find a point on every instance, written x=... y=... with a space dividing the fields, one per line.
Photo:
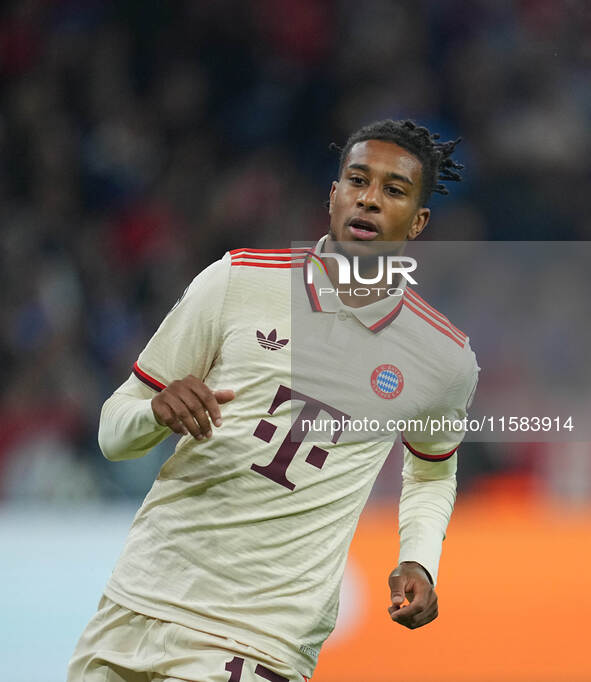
x=119 y=645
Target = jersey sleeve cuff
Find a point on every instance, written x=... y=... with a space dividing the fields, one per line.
x=424 y=547
x=147 y=379
x=421 y=453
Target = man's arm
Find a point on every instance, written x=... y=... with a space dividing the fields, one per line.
x=134 y=420
x=128 y=427
x=428 y=496
x=426 y=503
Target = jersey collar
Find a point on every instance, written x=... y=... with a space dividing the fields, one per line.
x=323 y=299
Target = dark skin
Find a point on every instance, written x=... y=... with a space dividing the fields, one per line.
x=411 y=581
x=380 y=183
x=187 y=405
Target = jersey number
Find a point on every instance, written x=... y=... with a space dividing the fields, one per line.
x=234 y=667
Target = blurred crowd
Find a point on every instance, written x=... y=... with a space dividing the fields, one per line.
x=140 y=139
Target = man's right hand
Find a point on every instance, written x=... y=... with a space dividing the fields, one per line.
x=184 y=407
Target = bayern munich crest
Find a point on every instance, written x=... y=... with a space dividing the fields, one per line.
x=387 y=381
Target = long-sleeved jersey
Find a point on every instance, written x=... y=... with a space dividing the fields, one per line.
x=246 y=534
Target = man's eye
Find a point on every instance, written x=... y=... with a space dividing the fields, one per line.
x=356 y=180
x=394 y=190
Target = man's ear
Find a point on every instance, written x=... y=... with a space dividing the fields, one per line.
x=333 y=189
x=419 y=223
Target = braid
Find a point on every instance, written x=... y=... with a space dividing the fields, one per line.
x=438 y=166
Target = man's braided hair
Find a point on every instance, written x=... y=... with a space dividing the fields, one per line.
x=434 y=156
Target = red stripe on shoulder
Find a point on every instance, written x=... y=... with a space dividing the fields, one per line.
x=426 y=457
x=270 y=252
x=147 y=379
x=256 y=256
x=269 y=258
x=250 y=264
x=429 y=308
x=444 y=330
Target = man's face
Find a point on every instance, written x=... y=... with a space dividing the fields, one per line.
x=377 y=198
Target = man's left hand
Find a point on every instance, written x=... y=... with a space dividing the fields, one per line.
x=411 y=580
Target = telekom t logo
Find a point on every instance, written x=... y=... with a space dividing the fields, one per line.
x=390 y=265
x=276 y=470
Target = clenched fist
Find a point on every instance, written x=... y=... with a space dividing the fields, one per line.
x=411 y=581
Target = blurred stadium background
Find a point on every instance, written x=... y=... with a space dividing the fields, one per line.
x=140 y=140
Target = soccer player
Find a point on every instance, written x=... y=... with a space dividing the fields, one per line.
x=232 y=568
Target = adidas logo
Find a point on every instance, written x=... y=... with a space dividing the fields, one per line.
x=270 y=342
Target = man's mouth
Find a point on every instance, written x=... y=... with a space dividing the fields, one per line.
x=363 y=229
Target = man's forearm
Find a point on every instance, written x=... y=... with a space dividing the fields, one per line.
x=128 y=428
x=425 y=510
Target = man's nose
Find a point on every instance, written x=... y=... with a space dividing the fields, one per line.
x=369 y=199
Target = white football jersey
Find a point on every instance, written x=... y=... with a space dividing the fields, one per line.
x=246 y=534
